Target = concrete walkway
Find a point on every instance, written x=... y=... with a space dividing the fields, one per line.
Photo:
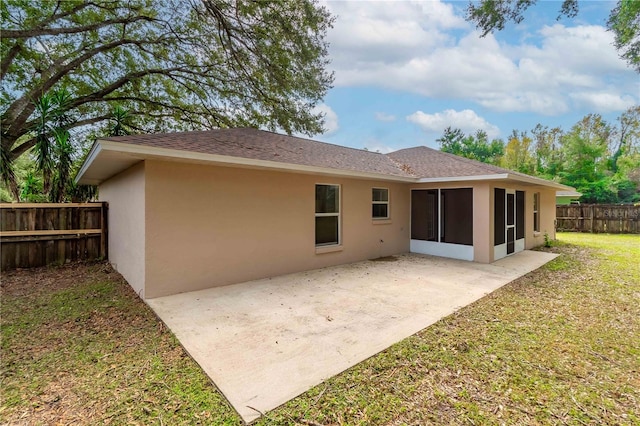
x=266 y=341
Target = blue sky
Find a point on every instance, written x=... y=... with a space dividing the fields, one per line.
x=404 y=71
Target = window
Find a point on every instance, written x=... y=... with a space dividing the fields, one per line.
x=536 y=212
x=327 y=215
x=380 y=203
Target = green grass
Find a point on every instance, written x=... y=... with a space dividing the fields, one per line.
x=558 y=346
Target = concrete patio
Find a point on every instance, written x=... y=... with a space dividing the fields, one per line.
x=266 y=341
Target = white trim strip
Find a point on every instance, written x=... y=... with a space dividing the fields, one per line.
x=93 y=153
x=502 y=176
x=454 y=251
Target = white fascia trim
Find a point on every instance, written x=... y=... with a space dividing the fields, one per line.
x=501 y=176
x=464 y=178
x=150 y=152
x=539 y=181
x=93 y=153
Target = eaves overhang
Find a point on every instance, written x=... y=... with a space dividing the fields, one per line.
x=108 y=158
x=509 y=177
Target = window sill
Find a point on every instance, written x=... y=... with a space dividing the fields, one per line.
x=381 y=221
x=328 y=249
x=536 y=233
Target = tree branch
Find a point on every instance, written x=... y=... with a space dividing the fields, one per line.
x=22 y=108
x=35 y=32
x=8 y=59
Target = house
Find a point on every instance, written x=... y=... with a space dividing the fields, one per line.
x=193 y=210
x=567 y=197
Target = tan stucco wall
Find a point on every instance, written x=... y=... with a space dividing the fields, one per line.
x=209 y=226
x=547 y=216
x=176 y=227
x=125 y=194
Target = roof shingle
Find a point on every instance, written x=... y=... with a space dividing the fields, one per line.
x=249 y=143
x=269 y=146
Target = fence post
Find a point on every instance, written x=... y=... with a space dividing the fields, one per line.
x=592 y=217
x=104 y=242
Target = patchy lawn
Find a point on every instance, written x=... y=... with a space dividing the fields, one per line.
x=560 y=345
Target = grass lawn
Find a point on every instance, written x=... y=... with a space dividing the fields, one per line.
x=558 y=346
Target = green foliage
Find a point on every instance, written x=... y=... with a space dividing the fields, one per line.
x=517 y=154
x=547 y=153
x=476 y=147
x=624 y=21
x=170 y=64
x=601 y=160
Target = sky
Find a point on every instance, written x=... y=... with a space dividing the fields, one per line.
x=406 y=70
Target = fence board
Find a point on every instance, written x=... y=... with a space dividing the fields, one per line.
x=599 y=218
x=34 y=234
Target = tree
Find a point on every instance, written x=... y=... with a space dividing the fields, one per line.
x=174 y=64
x=626 y=136
x=547 y=152
x=517 y=153
x=624 y=21
x=586 y=157
x=476 y=147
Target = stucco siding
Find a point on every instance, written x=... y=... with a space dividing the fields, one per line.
x=547 y=216
x=125 y=194
x=209 y=226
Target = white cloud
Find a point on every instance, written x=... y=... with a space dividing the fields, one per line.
x=387 y=32
x=383 y=116
x=330 y=118
x=466 y=120
x=603 y=101
x=375 y=145
x=427 y=48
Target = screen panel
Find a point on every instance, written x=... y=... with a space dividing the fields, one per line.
x=519 y=215
x=457 y=216
x=499 y=220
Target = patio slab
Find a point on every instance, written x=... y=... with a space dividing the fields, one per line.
x=264 y=342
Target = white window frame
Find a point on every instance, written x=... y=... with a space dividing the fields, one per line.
x=387 y=203
x=536 y=212
x=330 y=215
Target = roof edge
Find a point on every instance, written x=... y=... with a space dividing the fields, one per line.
x=147 y=152
x=463 y=178
x=89 y=159
x=539 y=181
x=500 y=176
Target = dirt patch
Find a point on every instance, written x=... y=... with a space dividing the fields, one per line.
x=38 y=281
x=385 y=259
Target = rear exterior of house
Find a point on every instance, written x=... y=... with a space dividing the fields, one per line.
x=183 y=220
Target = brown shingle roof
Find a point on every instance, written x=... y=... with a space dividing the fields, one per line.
x=263 y=145
x=430 y=163
x=249 y=143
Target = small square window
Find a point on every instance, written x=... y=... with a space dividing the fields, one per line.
x=380 y=203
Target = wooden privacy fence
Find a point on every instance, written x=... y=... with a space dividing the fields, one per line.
x=599 y=218
x=39 y=234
